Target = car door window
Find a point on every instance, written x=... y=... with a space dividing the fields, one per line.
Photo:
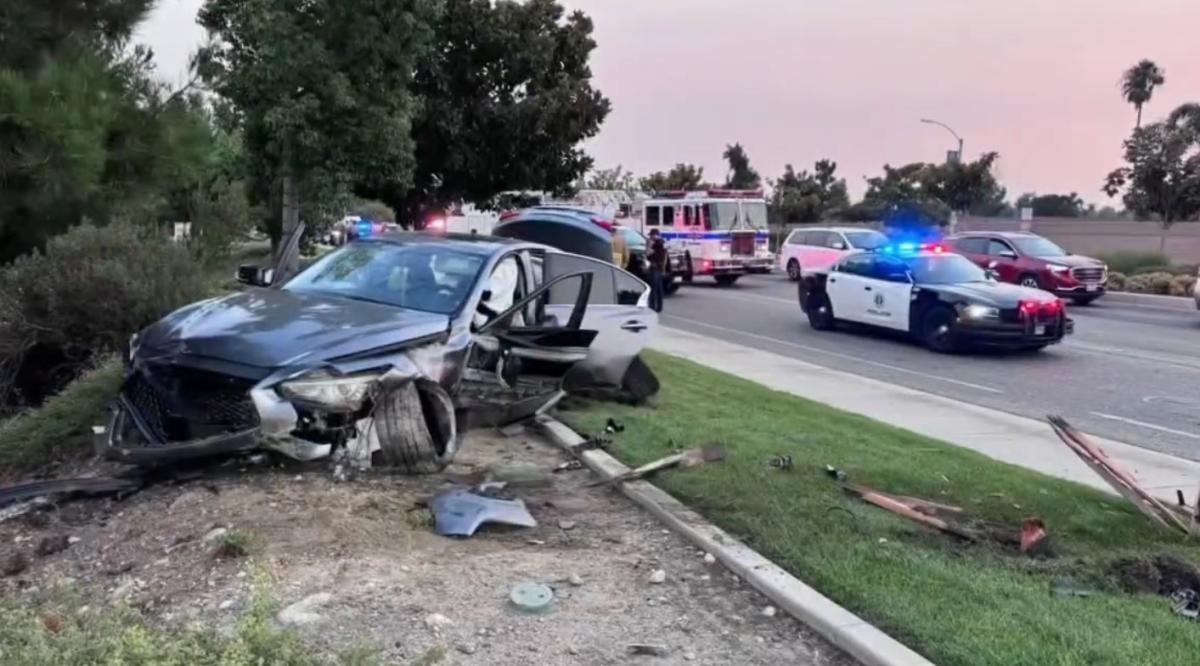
x=861 y=265
x=816 y=238
x=971 y=245
x=890 y=270
x=835 y=241
x=794 y=238
x=565 y=293
x=629 y=288
x=998 y=248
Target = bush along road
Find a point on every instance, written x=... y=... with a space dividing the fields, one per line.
x=1094 y=591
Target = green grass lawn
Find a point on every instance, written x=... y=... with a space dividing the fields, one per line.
x=956 y=604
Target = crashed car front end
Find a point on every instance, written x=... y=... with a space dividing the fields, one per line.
x=175 y=406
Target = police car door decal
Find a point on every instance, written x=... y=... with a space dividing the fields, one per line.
x=888 y=303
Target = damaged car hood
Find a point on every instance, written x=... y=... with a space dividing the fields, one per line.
x=270 y=328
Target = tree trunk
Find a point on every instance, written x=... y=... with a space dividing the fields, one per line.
x=1139 y=117
x=290 y=221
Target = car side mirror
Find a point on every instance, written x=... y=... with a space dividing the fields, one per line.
x=838 y=245
x=255 y=276
x=993 y=274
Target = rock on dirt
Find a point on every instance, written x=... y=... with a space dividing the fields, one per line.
x=14 y=564
x=658 y=576
x=214 y=535
x=52 y=544
x=768 y=611
x=304 y=612
x=575 y=580
x=436 y=622
x=709 y=558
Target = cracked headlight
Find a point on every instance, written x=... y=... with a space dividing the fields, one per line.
x=332 y=392
x=981 y=312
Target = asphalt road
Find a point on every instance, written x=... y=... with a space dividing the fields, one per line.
x=1131 y=372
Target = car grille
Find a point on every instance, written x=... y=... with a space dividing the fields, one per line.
x=1088 y=273
x=178 y=404
x=742 y=245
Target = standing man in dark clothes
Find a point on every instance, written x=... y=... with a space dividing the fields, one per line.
x=656 y=256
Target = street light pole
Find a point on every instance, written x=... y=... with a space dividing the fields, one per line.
x=946 y=127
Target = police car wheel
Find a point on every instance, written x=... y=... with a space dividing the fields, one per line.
x=938 y=331
x=670 y=285
x=793 y=270
x=1031 y=281
x=820 y=315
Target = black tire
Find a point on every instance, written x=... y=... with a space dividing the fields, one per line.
x=820 y=314
x=937 y=330
x=639 y=382
x=1029 y=280
x=416 y=428
x=793 y=270
x=727 y=280
x=1084 y=300
x=670 y=285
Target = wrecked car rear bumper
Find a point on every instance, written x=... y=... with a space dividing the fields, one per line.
x=125 y=439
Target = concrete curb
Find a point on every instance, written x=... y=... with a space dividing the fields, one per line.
x=1173 y=302
x=858 y=638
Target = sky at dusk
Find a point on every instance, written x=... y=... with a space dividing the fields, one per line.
x=795 y=81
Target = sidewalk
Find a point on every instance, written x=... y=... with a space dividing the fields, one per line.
x=1014 y=439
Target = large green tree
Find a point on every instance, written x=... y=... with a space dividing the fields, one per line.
x=808 y=197
x=680 y=177
x=930 y=192
x=33 y=31
x=1161 y=177
x=616 y=178
x=508 y=98
x=86 y=133
x=741 y=176
x=323 y=92
x=1138 y=84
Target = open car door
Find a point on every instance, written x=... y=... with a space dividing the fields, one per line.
x=518 y=359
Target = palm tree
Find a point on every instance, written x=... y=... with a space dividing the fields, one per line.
x=1138 y=84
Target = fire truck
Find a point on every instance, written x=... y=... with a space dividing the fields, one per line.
x=721 y=233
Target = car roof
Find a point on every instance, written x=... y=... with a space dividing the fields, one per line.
x=995 y=234
x=838 y=229
x=467 y=243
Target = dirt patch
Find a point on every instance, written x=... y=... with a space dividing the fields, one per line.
x=356 y=564
x=1163 y=575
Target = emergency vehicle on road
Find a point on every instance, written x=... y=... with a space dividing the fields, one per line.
x=940 y=298
x=721 y=233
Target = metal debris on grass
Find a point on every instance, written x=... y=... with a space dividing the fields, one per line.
x=783 y=463
x=1177 y=518
x=684 y=460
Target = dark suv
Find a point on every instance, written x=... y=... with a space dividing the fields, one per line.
x=1033 y=261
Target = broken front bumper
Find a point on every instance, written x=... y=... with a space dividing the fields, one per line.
x=125 y=440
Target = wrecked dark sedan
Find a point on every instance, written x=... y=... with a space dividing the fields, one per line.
x=384 y=351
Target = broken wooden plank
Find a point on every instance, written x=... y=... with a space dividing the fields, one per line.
x=684 y=459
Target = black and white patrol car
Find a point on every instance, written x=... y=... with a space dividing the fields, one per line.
x=940 y=298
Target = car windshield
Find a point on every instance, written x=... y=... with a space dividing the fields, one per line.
x=944 y=269
x=431 y=278
x=866 y=240
x=1036 y=246
x=634 y=239
x=731 y=215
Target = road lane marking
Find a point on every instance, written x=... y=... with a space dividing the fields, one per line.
x=1143 y=424
x=849 y=357
x=770 y=299
x=1176 y=361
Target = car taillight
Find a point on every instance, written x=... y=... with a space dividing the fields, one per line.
x=1029 y=308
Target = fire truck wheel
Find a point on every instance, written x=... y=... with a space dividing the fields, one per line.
x=727 y=280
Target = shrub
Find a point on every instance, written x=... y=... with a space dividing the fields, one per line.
x=83 y=297
x=1182 y=285
x=64 y=424
x=1117 y=281
x=1132 y=261
x=1150 y=283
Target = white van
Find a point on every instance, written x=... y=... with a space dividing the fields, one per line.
x=817 y=248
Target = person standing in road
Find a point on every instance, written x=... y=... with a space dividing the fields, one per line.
x=656 y=256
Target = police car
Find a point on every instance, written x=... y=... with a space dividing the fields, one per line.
x=940 y=298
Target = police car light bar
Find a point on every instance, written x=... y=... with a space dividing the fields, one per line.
x=912 y=248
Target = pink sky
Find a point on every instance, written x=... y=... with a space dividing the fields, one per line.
x=800 y=80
